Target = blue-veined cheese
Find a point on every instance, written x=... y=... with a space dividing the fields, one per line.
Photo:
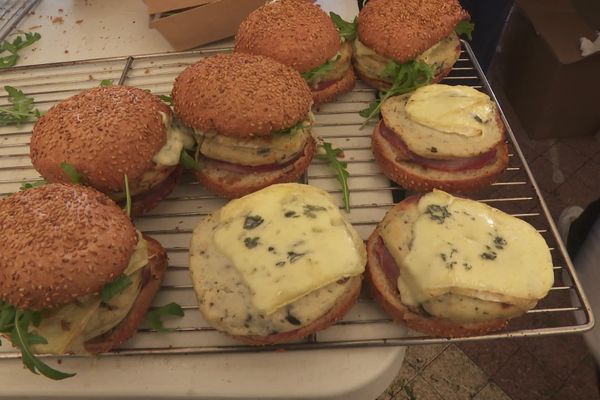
x=178 y=138
x=286 y=241
x=467 y=248
x=459 y=110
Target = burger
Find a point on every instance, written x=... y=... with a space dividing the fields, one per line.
x=449 y=266
x=75 y=276
x=276 y=265
x=300 y=34
x=102 y=135
x=251 y=118
x=398 y=32
x=440 y=136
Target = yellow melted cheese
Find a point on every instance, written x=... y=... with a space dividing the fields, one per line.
x=467 y=248
x=459 y=110
x=178 y=138
x=286 y=241
x=68 y=327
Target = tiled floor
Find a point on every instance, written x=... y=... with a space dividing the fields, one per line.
x=552 y=368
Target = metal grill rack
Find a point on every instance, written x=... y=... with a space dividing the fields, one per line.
x=12 y=12
x=372 y=194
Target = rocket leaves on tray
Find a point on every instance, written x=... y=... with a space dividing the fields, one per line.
x=106 y=82
x=18 y=43
x=406 y=77
x=15 y=323
x=154 y=317
x=340 y=167
x=20 y=110
x=346 y=29
x=465 y=27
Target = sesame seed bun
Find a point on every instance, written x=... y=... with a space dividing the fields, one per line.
x=104 y=132
x=294 y=32
x=403 y=29
x=60 y=242
x=240 y=95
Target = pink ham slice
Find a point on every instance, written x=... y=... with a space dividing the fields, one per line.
x=248 y=169
x=460 y=164
x=387 y=262
x=323 y=85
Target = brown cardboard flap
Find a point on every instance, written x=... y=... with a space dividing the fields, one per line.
x=159 y=6
x=560 y=25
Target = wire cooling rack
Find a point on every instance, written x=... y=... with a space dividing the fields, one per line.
x=372 y=195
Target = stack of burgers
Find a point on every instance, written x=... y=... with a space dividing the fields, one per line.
x=281 y=261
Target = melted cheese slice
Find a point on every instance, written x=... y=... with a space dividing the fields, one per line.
x=286 y=241
x=465 y=247
x=178 y=138
x=459 y=110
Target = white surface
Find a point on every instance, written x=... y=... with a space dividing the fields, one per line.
x=362 y=374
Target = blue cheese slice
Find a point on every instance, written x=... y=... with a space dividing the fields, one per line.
x=459 y=110
x=286 y=241
x=464 y=247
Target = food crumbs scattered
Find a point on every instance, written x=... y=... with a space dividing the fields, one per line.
x=146 y=71
x=66 y=51
x=79 y=21
x=58 y=20
x=34 y=27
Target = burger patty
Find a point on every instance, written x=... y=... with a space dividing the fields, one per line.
x=440 y=56
x=254 y=150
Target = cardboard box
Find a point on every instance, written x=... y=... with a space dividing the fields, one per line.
x=553 y=89
x=190 y=23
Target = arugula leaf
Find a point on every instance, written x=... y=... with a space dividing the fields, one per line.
x=127 y=196
x=346 y=29
x=31 y=185
x=15 y=46
x=465 y=27
x=72 y=173
x=340 y=167
x=291 y=131
x=16 y=323
x=153 y=317
x=315 y=74
x=406 y=77
x=188 y=161
x=106 y=82
x=115 y=287
x=166 y=99
x=21 y=109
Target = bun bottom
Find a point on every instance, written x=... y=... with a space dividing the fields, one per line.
x=233 y=184
x=144 y=202
x=345 y=84
x=412 y=176
x=386 y=294
x=383 y=85
x=157 y=266
x=342 y=305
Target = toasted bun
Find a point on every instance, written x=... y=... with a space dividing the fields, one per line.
x=412 y=176
x=240 y=95
x=383 y=85
x=385 y=292
x=104 y=132
x=231 y=184
x=331 y=92
x=60 y=242
x=403 y=29
x=144 y=202
x=155 y=271
x=295 y=33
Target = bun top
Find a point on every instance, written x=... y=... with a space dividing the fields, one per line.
x=294 y=32
x=60 y=242
x=241 y=95
x=104 y=132
x=403 y=29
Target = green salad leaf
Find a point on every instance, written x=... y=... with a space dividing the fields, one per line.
x=31 y=185
x=127 y=196
x=20 y=110
x=106 y=82
x=340 y=167
x=406 y=77
x=465 y=27
x=188 y=161
x=291 y=131
x=115 y=287
x=154 y=317
x=72 y=173
x=346 y=29
x=315 y=74
x=13 y=48
x=166 y=99
x=16 y=322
